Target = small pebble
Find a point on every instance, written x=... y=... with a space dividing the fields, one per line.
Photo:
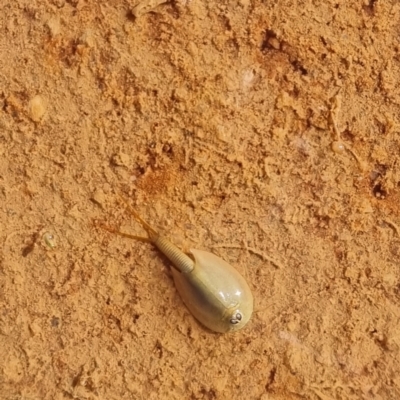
x=274 y=43
x=192 y=49
x=54 y=26
x=37 y=108
x=50 y=240
x=99 y=197
x=338 y=147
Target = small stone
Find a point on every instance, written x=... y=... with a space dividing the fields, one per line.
x=50 y=240
x=338 y=147
x=37 y=108
x=223 y=134
x=274 y=43
x=54 y=26
x=35 y=327
x=99 y=197
x=192 y=49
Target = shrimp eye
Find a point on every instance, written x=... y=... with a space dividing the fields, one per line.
x=236 y=318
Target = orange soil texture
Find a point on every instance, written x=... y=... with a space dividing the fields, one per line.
x=266 y=132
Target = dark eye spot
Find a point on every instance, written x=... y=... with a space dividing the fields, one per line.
x=236 y=318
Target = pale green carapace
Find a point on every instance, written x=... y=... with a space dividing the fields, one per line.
x=213 y=291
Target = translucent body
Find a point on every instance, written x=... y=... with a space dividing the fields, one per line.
x=214 y=292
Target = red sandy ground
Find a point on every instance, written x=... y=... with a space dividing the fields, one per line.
x=214 y=118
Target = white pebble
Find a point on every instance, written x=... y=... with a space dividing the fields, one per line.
x=37 y=108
